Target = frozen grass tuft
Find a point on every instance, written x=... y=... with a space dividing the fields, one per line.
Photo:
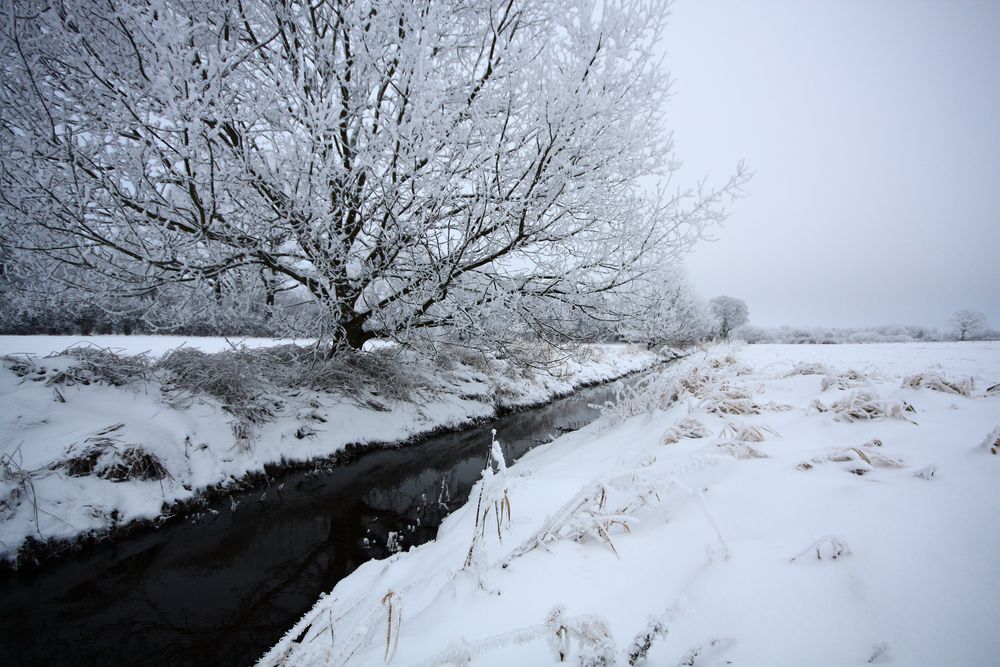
x=865 y=406
x=596 y=646
x=722 y=362
x=637 y=651
x=730 y=406
x=494 y=500
x=847 y=380
x=726 y=399
x=90 y=364
x=691 y=658
x=16 y=486
x=658 y=391
x=102 y=365
x=595 y=509
x=938 y=382
x=133 y=463
x=591 y=634
x=103 y=455
x=809 y=369
x=365 y=377
x=230 y=376
x=828 y=547
x=685 y=428
x=992 y=441
x=873 y=459
x=744 y=433
x=741 y=450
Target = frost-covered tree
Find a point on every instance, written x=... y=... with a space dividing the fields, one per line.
x=411 y=165
x=966 y=323
x=729 y=313
x=667 y=312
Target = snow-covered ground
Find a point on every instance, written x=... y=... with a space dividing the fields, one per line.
x=154 y=346
x=765 y=505
x=79 y=457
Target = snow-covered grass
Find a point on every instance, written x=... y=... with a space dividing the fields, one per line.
x=154 y=346
x=676 y=533
x=92 y=441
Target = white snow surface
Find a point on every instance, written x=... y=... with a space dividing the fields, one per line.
x=789 y=536
x=154 y=346
x=43 y=425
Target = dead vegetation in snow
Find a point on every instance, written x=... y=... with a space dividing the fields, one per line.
x=849 y=379
x=992 y=441
x=104 y=455
x=937 y=381
x=688 y=428
x=828 y=547
x=865 y=406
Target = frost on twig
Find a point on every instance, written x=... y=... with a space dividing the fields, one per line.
x=828 y=547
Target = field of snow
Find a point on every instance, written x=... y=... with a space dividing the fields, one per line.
x=765 y=505
x=154 y=346
x=81 y=456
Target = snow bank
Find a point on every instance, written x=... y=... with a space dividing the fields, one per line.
x=80 y=455
x=713 y=517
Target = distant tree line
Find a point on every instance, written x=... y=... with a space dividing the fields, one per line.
x=962 y=328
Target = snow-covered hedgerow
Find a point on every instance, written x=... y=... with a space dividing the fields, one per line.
x=655 y=535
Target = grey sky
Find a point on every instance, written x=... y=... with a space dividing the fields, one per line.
x=874 y=131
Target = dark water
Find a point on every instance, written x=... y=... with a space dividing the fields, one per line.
x=221 y=588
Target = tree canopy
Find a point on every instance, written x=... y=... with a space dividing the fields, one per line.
x=408 y=166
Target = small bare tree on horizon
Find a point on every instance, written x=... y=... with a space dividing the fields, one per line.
x=729 y=313
x=967 y=323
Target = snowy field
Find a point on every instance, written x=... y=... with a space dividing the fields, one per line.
x=765 y=505
x=79 y=456
x=154 y=346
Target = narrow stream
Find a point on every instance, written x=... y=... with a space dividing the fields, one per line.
x=219 y=588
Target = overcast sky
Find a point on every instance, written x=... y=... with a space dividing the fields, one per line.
x=873 y=127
